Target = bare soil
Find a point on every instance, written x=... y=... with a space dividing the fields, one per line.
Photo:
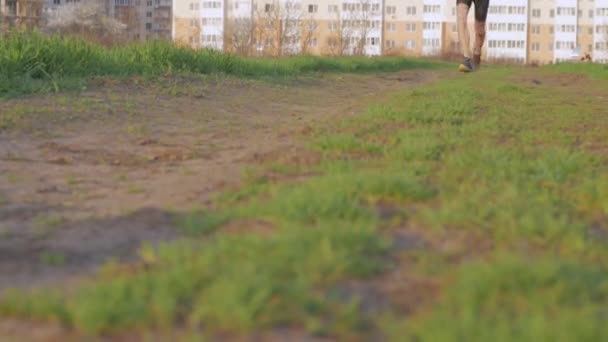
x=88 y=177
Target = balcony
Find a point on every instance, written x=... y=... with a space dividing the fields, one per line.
x=161 y=28
x=162 y=3
x=161 y=17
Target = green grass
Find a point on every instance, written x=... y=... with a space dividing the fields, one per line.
x=505 y=180
x=32 y=62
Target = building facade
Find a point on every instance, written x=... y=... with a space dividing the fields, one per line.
x=144 y=19
x=523 y=31
x=22 y=13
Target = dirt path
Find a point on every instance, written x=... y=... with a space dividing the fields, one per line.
x=85 y=177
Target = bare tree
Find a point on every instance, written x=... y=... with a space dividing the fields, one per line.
x=194 y=32
x=308 y=35
x=88 y=19
x=240 y=36
x=352 y=27
x=341 y=33
x=362 y=23
x=130 y=18
x=280 y=30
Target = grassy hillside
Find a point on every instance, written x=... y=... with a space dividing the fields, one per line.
x=34 y=63
x=473 y=209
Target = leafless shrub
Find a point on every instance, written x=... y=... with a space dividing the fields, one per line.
x=88 y=19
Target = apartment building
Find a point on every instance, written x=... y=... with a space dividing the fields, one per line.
x=144 y=19
x=523 y=31
x=23 y=13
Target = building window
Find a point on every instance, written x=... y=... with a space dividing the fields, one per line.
x=410 y=44
x=536 y=13
x=428 y=25
x=431 y=42
x=410 y=10
x=431 y=8
x=268 y=8
x=149 y=14
x=372 y=41
x=410 y=27
x=391 y=27
x=552 y=13
x=391 y=10
x=332 y=8
x=312 y=8
x=212 y=4
x=148 y=26
x=390 y=44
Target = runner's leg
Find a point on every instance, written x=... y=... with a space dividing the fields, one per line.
x=481 y=14
x=463 y=7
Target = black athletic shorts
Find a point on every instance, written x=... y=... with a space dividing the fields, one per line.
x=481 y=8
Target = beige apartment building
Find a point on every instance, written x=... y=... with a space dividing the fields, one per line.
x=524 y=31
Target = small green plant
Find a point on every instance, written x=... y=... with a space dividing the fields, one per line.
x=136 y=130
x=52 y=258
x=71 y=180
x=135 y=189
x=48 y=221
x=13 y=177
x=4 y=232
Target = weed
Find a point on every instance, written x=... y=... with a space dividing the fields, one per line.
x=71 y=180
x=135 y=189
x=52 y=258
x=48 y=221
x=136 y=130
x=5 y=233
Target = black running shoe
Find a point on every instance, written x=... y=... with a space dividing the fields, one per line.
x=466 y=66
